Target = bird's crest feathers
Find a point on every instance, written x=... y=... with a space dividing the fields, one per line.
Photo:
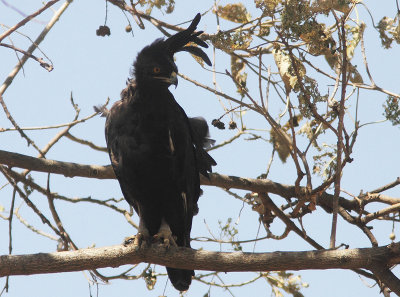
x=177 y=42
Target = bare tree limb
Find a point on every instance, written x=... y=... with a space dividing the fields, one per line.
x=380 y=213
x=22 y=133
x=42 y=63
x=387 y=277
x=387 y=187
x=85 y=142
x=44 y=219
x=114 y=256
x=69 y=169
x=57 y=167
x=291 y=225
x=339 y=147
x=27 y=19
x=35 y=44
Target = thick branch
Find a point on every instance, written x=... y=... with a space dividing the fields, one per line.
x=51 y=166
x=219 y=180
x=186 y=258
x=114 y=256
x=386 y=276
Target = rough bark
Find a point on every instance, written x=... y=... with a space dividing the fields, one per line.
x=377 y=259
x=84 y=259
x=69 y=169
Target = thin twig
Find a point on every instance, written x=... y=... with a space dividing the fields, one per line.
x=339 y=148
x=42 y=63
x=10 y=220
x=22 y=133
x=380 y=213
x=85 y=142
x=386 y=187
x=27 y=19
x=34 y=45
x=228 y=141
x=28 y=201
x=33 y=229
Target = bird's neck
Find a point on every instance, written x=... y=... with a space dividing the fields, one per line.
x=154 y=95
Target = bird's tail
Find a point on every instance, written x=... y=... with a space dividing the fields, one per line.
x=204 y=161
x=180 y=278
x=201 y=139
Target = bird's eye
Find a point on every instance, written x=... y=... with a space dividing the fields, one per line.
x=156 y=70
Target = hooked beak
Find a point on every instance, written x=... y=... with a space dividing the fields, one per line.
x=173 y=79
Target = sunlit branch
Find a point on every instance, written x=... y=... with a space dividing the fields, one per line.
x=185 y=258
x=69 y=169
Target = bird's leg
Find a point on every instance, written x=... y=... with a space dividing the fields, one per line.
x=164 y=234
x=141 y=238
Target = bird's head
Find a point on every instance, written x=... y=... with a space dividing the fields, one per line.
x=155 y=66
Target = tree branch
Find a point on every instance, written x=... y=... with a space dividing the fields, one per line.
x=386 y=276
x=27 y=19
x=42 y=63
x=34 y=45
x=51 y=166
x=114 y=256
x=69 y=169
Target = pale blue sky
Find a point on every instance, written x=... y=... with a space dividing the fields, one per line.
x=94 y=68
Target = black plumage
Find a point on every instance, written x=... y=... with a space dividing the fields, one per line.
x=156 y=151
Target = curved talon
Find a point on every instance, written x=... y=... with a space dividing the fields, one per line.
x=129 y=240
x=164 y=235
x=166 y=238
x=138 y=240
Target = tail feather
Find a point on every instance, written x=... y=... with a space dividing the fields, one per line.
x=204 y=162
x=200 y=137
x=180 y=278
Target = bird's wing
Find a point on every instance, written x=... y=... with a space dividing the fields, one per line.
x=182 y=138
x=119 y=144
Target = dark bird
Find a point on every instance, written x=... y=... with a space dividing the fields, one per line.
x=156 y=151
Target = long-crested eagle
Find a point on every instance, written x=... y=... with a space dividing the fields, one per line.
x=156 y=151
